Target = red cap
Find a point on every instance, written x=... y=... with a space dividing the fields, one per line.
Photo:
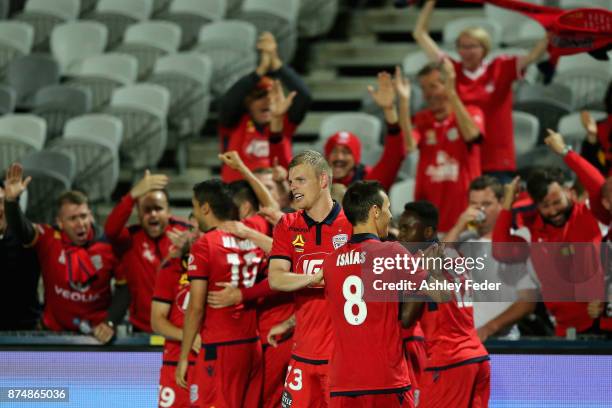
x=265 y=82
x=347 y=139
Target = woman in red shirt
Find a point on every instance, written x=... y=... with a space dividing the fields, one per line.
x=487 y=85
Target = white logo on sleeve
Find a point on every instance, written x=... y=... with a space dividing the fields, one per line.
x=339 y=240
x=312 y=266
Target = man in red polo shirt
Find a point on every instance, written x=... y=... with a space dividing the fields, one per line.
x=144 y=246
x=302 y=240
x=76 y=263
x=447 y=135
x=245 y=117
x=229 y=367
x=559 y=223
x=343 y=149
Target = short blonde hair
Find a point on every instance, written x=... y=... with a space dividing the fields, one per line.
x=314 y=159
x=480 y=35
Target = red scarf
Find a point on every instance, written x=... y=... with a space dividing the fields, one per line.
x=80 y=270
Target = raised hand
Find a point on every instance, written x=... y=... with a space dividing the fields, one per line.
x=384 y=95
x=589 y=124
x=267 y=45
x=179 y=240
x=148 y=183
x=402 y=85
x=510 y=191
x=555 y=142
x=450 y=77
x=232 y=159
x=14 y=184
x=279 y=103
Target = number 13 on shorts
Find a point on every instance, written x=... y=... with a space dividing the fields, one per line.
x=296 y=383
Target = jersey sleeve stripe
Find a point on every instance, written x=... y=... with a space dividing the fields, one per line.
x=162 y=300
x=190 y=278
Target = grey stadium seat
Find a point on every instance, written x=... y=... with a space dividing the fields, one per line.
x=366 y=127
x=30 y=73
x=149 y=40
x=58 y=103
x=280 y=17
x=52 y=173
x=8 y=99
x=97 y=157
x=400 y=194
x=102 y=74
x=44 y=15
x=20 y=135
x=230 y=44
x=118 y=15
x=570 y=126
x=526 y=131
x=187 y=76
x=73 y=42
x=316 y=17
x=16 y=40
x=587 y=77
x=191 y=15
x=142 y=108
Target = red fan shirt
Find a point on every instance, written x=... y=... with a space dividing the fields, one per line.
x=305 y=243
x=68 y=301
x=447 y=164
x=218 y=256
x=490 y=89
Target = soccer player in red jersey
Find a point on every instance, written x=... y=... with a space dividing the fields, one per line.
x=144 y=246
x=487 y=85
x=228 y=369
x=559 y=222
x=76 y=263
x=448 y=136
x=379 y=378
x=302 y=240
x=343 y=149
x=248 y=123
x=457 y=372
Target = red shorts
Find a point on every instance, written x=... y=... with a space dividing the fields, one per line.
x=306 y=385
x=395 y=400
x=458 y=387
x=416 y=356
x=227 y=376
x=171 y=394
x=276 y=360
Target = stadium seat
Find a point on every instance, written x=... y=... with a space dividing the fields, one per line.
x=117 y=15
x=547 y=103
x=142 y=108
x=508 y=19
x=279 y=17
x=93 y=141
x=52 y=173
x=527 y=34
x=30 y=73
x=58 y=103
x=400 y=194
x=526 y=132
x=87 y=6
x=103 y=74
x=188 y=77
x=408 y=168
x=4 y=9
x=571 y=4
x=366 y=127
x=15 y=41
x=316 y=17
x=452 y=30
x=587 y=77
x=44 y=15
x=147 y=41
x=72 y=42
x=160 y=7
x=20 y=134
x=539 y=156
x=230 y=44
x=191 y=15
x=233 y=8
x=8 y=99
x=570 y=126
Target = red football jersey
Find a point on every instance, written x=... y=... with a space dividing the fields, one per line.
x=450 y=336
x=218 y=256
x=447 y=164
x=368 y=352
x=305 y=243
x=65 y=300
x=252 y=145
x=172 y=287
x=490 y=89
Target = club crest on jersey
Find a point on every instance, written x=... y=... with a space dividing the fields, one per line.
x=490 y=87
x=96 y=260
x=298 y=243
x=339 y=240
x=452 y=134
x=193 y=393
x=147 y=254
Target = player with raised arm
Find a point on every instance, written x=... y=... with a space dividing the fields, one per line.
x=302 y=240
x=228 y=369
